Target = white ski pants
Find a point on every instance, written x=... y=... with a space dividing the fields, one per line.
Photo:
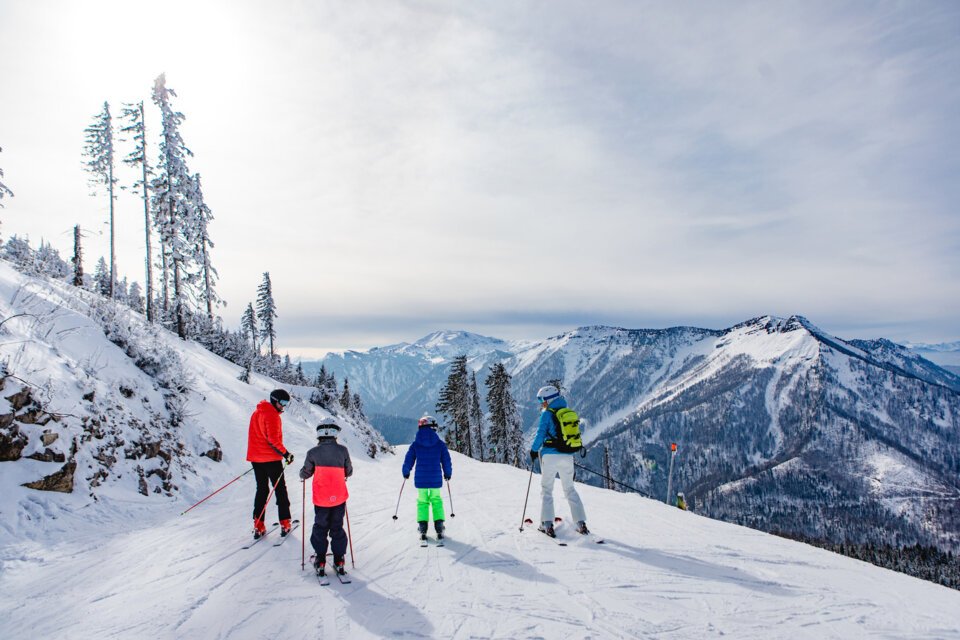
x=551 y=466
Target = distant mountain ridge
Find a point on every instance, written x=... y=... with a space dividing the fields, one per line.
x=780 y=425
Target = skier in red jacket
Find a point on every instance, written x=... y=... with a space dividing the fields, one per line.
x=266 y=451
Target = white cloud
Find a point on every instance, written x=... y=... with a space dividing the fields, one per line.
x=654 y=163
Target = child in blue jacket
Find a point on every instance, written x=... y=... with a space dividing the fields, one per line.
x=431 y=457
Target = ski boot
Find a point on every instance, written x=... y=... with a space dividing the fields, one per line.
x=259 y=529
x=319 y=566
x=423 y=529
x=284 y=527
x=439 y=527
x=547 y=528
x=338 y=563
x=582 y=528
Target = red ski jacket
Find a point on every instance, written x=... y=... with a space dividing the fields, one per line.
x=329 y=464
x=265 y=439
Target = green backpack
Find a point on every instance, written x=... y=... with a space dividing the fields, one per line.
x=567 y=439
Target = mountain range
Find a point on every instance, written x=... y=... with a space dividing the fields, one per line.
x=779 y=425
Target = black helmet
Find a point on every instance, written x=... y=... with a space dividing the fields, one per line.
x=280 y=396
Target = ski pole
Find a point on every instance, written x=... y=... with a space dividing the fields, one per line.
x=270 y=495
x=398 y=499
x=353 y=562
x=303 y=521
x=450 y=494
x=220 y=489
x=527 y=497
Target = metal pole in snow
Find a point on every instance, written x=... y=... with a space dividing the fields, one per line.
x=673 y=454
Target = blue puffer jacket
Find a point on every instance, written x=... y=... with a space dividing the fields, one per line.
x=429 y=453
x=547 y=428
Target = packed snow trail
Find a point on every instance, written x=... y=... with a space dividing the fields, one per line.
x=661 y=573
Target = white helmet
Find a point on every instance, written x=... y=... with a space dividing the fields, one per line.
x=428 y=421
x=328 y=428
x=548 y=393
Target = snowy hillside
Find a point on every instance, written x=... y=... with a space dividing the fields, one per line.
x=147 y=424
x=662 y=573
x=97 y=404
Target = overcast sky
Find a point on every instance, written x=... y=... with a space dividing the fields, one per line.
x=519 y=169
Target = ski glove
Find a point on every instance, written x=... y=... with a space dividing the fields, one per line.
x=406 y=476
x=447 y=478
x=534 y=455
x=288 y=457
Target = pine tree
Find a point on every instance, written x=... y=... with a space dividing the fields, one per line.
x=476 y=419
x=346 y=397
x=357 y=406
x=506 y=428
x=454 y=403
x=133 y=115
x=77 y=258
x=248 y=327
x=135 y=298
x=267 y=313
x=201 y=216
x=171 y=191
x=98 y=149
x=4 y=191
x=101 y=277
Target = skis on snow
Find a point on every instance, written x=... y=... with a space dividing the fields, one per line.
x=324 y=579
x=560 y=543
x=295 y=524
x=275 y=526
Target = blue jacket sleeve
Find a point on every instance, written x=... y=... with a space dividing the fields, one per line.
x=409 y=459
x=543 y=428
x=446 y=462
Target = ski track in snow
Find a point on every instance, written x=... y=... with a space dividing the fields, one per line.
x=662 y=573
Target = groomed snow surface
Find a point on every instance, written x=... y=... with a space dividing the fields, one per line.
x=151 y=573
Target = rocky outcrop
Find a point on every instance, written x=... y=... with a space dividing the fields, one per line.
x=61 y=481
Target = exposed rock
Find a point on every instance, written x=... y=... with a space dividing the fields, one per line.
x=12 y=443
x=49 y=437
x=20 y=399
x=61 y=481
x=89 y=396
x=216 y=453
x=48 y=455
x=126 y=392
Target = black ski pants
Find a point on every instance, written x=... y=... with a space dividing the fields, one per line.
x=268 y=474
x=329 y=521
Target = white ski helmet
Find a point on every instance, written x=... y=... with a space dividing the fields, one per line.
x=547 y=393
x=328 y=428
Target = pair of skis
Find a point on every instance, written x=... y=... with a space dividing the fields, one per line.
x=324 y=579
x=424 y=541
x=560 y=543
x=276 y=525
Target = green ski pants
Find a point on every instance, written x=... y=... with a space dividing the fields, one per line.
x=427 y=498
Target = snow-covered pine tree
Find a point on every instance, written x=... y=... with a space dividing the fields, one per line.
x=98 y=148
x=201 y=244
x=300 y=377
x=133 y=116
x=506 y=428
x=476 y=419
x=135 y=297
x=171 y=190
x=77 y=258
x=454 y=403
x=346 y=399
x=248 y=327
x=356 y=405
x=49 y=262
x=4 y=191
x=101 y=277
x=267 y=313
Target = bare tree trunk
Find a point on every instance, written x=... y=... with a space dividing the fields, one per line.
x=146 y=222
x=113 y=251
x=77 y=258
